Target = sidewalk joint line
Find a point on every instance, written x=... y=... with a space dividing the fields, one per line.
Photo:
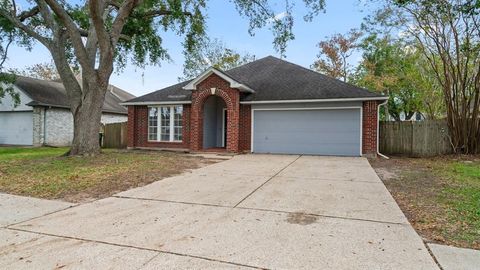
x=432 y=255
x=268 y=180
x=260 y=210
x=135 y=247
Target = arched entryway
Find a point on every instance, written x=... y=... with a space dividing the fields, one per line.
x=201 y=99
x=214 y=123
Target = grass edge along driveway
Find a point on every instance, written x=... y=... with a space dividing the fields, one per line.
x=440 y=196
x=44 y=173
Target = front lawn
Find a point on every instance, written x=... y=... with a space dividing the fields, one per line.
x=439 y=196
x=44 y=173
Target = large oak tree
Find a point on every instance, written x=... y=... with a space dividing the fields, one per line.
x=99 y=35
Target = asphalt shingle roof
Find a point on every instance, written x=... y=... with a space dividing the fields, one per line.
x=273 y=79
x=52 y=93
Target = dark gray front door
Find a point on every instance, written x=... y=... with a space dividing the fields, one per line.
x=307 y=131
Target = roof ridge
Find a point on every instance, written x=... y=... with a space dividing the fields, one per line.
x=326 y=76
x=256 y=60
x=37 y=79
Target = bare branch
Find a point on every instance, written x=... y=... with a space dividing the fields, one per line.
x=85 y=33
x=74 y=35
x=28 y=13
x=123 y=13
x=5 y=54
x=114 y=4
x=156 y=13
x=29 y=31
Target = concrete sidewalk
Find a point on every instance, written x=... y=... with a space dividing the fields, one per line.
x=253 y=211
x=14 y=209
x=453 y=258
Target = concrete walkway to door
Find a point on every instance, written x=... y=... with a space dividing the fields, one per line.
x=252 y=211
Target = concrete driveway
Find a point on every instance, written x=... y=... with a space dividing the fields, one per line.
x=252 y=211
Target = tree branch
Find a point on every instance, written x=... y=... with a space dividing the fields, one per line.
x=123 y=13
x=74 y=35
x=85 y=33
x=45 y=41
x=28 y=13
x=114 y=4
x=156 y=13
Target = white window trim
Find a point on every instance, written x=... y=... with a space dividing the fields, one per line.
x=159 y=124
x=306 y=109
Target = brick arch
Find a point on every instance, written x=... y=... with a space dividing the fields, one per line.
x=203 y=95
x=231 y=99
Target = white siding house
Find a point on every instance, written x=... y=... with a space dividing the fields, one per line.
x=43 y=117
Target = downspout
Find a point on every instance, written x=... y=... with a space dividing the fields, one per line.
x=378 y=129
x=44 y=126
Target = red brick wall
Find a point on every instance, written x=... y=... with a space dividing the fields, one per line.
x=245 y=128
x=230 y=96
x=369 y=128
x=238 y=119
x=137 y=129
x=131 y=127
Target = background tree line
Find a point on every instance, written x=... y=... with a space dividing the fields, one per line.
x=424 y=54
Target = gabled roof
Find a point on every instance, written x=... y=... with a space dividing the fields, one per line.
x=272 y=79
x=53 y=94
x=192 y=85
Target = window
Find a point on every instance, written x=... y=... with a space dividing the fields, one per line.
x=177 y=123
x=165 y=124
x=152 y=124
x=169 y=127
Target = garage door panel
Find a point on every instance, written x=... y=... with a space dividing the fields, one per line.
x=323 y=132
x=16 y=128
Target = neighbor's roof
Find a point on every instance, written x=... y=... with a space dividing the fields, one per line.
x=52 y=93
x=272 y=79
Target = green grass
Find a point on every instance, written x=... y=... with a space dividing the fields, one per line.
x=462 y=198
x=23 y=153
x=440 y=196
x=45 y=173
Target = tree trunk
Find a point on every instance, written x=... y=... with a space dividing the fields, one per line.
x=86 y=121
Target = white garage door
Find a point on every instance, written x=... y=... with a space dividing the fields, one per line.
x=307 y=131
x=16 y=128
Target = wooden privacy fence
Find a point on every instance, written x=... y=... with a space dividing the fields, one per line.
x=115 y=135
x=416 y=139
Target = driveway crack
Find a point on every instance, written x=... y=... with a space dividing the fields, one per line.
x=268 y=180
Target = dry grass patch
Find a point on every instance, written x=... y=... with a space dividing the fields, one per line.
x=439 y=196
x=44 y=173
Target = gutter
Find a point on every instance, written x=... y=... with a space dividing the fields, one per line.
x=378 y=129
x=313 y=100
x=154 y=103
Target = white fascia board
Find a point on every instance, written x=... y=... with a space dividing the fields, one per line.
x=155 y=103
x=233 y=84
x=313 y=100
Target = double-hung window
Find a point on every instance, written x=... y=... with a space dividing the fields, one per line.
x=165 y=123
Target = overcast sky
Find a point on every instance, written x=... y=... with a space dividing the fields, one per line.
x=224 y=23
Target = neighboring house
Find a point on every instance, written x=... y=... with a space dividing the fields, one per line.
x=417 y=116
x=43 y=116
x=266 y=106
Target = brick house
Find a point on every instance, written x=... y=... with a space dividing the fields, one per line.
x=266 y=106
